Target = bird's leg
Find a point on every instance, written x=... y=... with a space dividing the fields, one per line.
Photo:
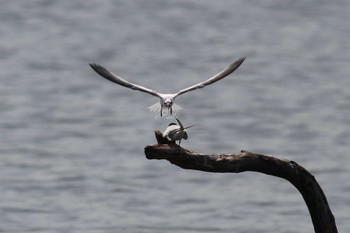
x=161 y=110
x=171 y=111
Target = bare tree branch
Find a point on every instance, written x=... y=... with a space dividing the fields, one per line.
x=321 y=215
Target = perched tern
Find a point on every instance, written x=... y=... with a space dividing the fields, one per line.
x=166 y=100
x=176 y=132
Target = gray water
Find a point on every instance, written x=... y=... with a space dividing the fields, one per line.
x=72 y=144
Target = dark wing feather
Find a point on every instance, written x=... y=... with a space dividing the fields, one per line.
x=180 y=124
x=225 y=72
x=118 y=80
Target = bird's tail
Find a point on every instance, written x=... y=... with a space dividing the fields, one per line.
x=176 y=108
x=157 y=107
x=187 y=127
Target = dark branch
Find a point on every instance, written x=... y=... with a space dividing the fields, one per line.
x=304 y=181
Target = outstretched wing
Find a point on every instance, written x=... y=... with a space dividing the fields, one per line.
x=180 y=124
x=116 y=79
x=225 y=72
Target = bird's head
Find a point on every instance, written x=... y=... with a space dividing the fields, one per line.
x=168 y=102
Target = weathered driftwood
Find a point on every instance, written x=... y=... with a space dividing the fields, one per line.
x=321 y=215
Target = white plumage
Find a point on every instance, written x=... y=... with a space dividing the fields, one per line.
x=166 y=100
x=176 y=132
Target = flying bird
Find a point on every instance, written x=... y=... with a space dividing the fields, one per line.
x=166 y=100
x=176 y=132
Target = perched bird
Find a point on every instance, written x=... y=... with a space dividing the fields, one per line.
x=166 y=100
x=176 y=132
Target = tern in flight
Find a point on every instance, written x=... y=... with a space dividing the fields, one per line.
x=166 y=100
x=176 y=132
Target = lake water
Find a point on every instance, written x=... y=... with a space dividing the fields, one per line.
x=72 y=144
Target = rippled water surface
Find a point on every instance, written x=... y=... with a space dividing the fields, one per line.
x=71 y=143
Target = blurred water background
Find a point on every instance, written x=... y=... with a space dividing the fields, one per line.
x=71 y=143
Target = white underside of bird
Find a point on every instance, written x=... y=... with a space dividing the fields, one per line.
x=176 y=132
x=157 y=107
x=166 y=100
